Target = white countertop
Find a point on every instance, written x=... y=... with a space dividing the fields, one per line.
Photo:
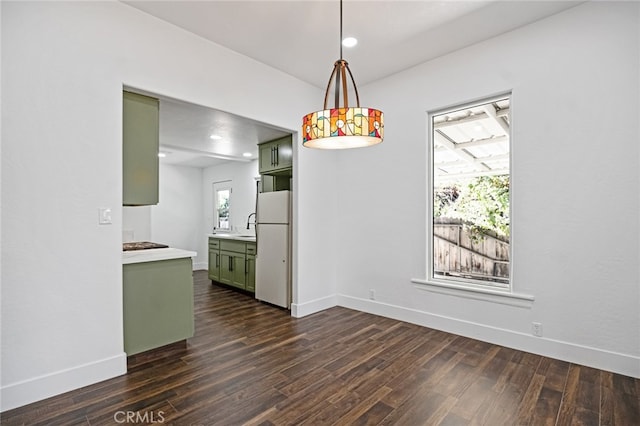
x=152 y=255
x=237 y=237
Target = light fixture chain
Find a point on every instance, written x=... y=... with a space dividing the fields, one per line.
x=341 y=30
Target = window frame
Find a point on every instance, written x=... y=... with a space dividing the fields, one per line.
x=452 y=282
x=218 y=187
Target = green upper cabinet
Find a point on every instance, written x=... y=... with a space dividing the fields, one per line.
x=276 y=156
x=140 y=144
x=270 y=183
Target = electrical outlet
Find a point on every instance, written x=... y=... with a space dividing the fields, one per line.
x=372 y=294
x=536 y=329
x=104 y=216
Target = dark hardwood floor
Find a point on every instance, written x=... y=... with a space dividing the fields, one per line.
x=250 y=363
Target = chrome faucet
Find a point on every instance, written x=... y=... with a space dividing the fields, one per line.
x=249 y=220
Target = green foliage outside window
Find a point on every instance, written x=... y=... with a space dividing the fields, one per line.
x=482 y=203
x=223 y=208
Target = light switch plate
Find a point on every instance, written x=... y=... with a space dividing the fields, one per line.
x=104 y=216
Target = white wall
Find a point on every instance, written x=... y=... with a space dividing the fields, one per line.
x=241 y=177
x=136 y=223
x=177 y=220
x=575 y=181
x=63 y=68
x=315 y=242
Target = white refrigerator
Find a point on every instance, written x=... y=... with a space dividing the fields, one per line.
x=273 y=258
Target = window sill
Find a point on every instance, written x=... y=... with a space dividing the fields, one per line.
x=484 y=294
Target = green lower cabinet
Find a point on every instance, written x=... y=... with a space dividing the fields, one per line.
x=157 y=303
x=233 y=262
x=251 y=273
x=232 y=269
x=214 y=264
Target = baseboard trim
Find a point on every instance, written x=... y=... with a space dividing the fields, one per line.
x=200 y=266
x=38 y=388
x=299 y=310
x=627 y=365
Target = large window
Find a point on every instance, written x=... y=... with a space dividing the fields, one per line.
x=470 y=194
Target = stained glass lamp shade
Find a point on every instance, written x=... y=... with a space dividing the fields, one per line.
x=340 y=128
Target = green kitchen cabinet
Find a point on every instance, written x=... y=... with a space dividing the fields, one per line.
x=214 y=260
x=233 y=269
x=140 y=145
x=275 y=183
x=276 y=157
x=232 y=262
x=251 y=273
x=157 y=303
x=251 y=267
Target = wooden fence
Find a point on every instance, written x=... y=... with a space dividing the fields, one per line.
x=458 y=253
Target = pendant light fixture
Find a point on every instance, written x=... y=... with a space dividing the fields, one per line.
x=343 y=126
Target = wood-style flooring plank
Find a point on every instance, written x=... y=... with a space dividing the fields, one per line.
x=252 y=363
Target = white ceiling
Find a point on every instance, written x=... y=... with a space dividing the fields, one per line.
x=301 y=38
x=186 y=129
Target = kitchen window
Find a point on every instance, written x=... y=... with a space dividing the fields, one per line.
x=469 y=193
x=222 y=203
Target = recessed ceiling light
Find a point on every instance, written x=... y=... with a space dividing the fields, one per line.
x=349 y=41
x=215 y=137
x=246 y=154
x=162 y=154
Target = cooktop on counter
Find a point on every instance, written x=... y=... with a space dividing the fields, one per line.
x=142 y=245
